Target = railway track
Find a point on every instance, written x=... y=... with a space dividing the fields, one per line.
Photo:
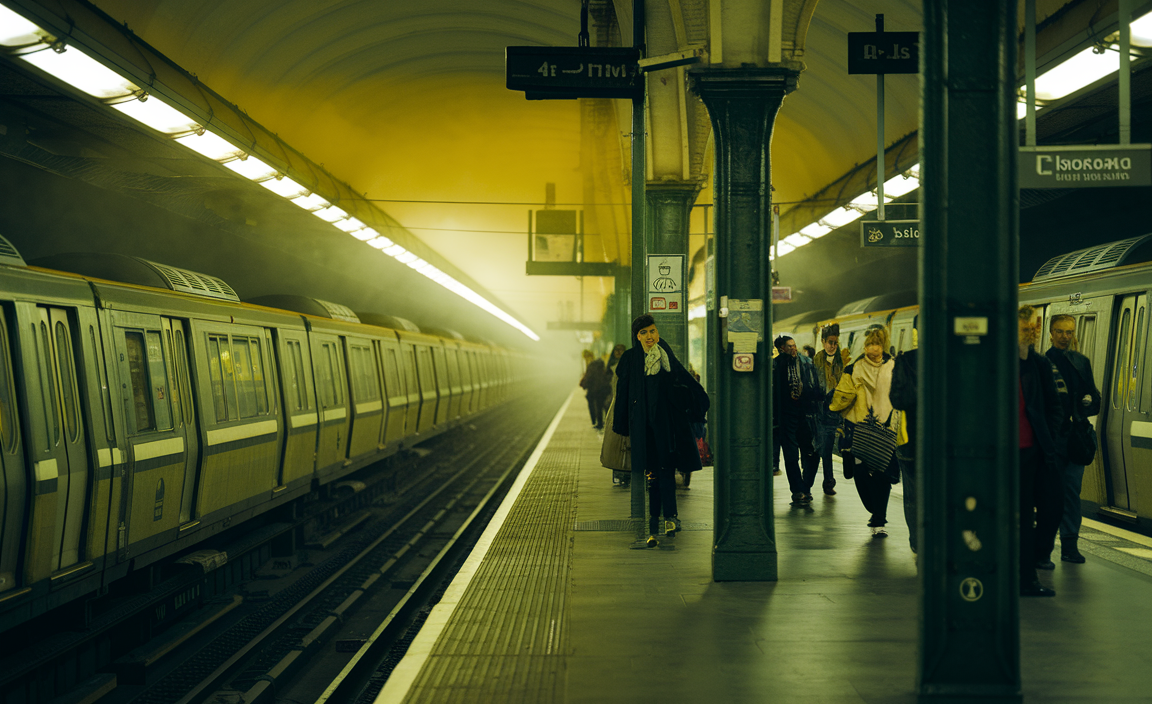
x=387 y=551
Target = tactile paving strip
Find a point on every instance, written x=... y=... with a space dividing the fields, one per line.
x=625 y=525
x=508 y=638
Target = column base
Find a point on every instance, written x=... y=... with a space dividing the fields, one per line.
x=751 y=566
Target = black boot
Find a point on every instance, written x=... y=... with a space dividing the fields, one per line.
x=1068 y=551
x=828 y=487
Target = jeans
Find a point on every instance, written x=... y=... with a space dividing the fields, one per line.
x=1073 y=482
x=825 y=440
x=661 y=482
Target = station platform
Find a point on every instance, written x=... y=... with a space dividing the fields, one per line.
x=554 y=606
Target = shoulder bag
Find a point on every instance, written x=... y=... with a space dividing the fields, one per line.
x=874 y=443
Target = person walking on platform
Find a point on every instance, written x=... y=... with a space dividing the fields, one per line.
x=796 y=397
x=612 y=452
x=1081 y=402
x=597 y=386
x=1041 y=454
x=903 y=398
x=830 y=362
x=657 y=402
x=862 y=399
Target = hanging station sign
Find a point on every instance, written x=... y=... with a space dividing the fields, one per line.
x=1086 y=166
x=549 y=72
x=890 y=233
x=883 y=52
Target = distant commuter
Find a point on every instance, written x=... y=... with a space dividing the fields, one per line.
x=1041 y=455
x=862 y=399
x=613 y=360
x=903 y=397
x=658 y=400
x=809 y=351
x=830 y=362
x=613 y=453
x=796 y=397
x=1081 y=402
x=597 y=386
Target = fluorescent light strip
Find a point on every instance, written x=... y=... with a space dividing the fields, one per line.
x=1141 y=31
x=283 y=186
x=251 y=168
x=348 y=225
x=82 y=72
x=209 y=145
x=331 y=214
x=17 y=31
x=311 y=201
x=1082 y=69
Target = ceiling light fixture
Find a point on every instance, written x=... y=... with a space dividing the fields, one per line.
x=155 y=113
x=840 y=217
x=796 y=239
x=283 y=186
x=331 y=214
x=900 y=185
x=251 y=168
x=349 y=225
x=1141 y=31
x=380 y=242
x=210 y=145
x=81 y=71
x=1082 y=69
x=17 y=31
x=815 y=230
x=311 y=201
x=395 y=250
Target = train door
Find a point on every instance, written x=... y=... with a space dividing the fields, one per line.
x=156 y=443
x=332 y=394
x=1128 y=434
x=183 y=416
x=59 y=380
x=13 y=482
x=300 y=414
x=394 y=391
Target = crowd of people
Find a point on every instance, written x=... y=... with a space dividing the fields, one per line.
x=826 y=403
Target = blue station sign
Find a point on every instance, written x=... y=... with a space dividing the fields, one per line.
x=548 y=72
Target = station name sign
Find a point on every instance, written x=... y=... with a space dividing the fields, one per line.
x=1090 y=166
x=890 y=233
x=548 y=72
x=883 y=52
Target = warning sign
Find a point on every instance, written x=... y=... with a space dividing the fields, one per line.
x=665 y=283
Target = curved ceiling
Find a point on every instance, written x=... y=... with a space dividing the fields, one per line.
x=406 y=102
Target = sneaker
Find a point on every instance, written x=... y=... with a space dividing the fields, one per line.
x=879 y=532
x=775 y=472
x=807 y=498
x=828 y=490
x=798 y=500
x=651 y=542
x=671 y=526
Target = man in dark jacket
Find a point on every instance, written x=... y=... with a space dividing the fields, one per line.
x=657 y=400
x=1041 y=453
x=796 y=397
x=598 y=387
x=1081 y=401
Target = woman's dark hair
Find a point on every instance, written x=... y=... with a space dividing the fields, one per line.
x=641 y=322
x=779 y=343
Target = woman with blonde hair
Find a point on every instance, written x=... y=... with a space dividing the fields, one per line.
x=861 y=398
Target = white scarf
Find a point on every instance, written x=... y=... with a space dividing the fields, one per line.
x=877 y=381
x=655 y=359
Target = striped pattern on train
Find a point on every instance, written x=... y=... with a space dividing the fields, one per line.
x=1110 y=307
x=135 y=422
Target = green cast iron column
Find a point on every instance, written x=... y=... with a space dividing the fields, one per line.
x=968 y=400
x=742 y=104
x=669 y=206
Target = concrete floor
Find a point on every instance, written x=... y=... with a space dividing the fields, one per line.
x=840 y=625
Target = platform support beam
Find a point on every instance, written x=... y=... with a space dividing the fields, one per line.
x=669 y=207
x=742 y=104
x=969 y=640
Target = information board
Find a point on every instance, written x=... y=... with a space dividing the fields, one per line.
x=883 y=52
x=548 y=72
x=890 y=233
x=1088 y=166
x=665 y=283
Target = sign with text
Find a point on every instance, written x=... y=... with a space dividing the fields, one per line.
x=883 y=52
x=1086 y=166
x=781 y=294
x=665 y=283
x=890 y=233
x=548 y=72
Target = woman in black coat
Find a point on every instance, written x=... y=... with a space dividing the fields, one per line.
x=663 y=400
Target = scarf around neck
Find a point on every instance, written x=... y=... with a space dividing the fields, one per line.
x=792 y=373
x=655 y=360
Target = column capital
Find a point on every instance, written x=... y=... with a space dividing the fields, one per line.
x=714 y=83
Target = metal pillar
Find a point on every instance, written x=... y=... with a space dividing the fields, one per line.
x=742 y=104
x=639 y=175
x=970 y=627
x=669 y=206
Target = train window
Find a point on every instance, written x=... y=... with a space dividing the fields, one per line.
x=48 y=384
x=1086 y=337
x=179 y=353
x=410 y=371
x=1137 y=358
x=1119 y=393
x=176 y=386
x=258 y=381
x=220 y=369
x=105 y=394
x=337 y=377
x=67 y=366
x=161 y=401
x=299 y=395
x=245 y=385
x=391 y=376
x=7 y=424
x=369 y=387
x=325 y=372
x=141 y=388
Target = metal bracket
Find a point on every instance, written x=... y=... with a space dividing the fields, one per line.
x=692 y=55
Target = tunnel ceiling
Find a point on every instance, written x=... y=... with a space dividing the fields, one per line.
x=406 y=102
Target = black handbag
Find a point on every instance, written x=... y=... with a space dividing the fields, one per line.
x=874 y=444
x=1082 y=442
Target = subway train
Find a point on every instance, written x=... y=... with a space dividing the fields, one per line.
x=1106 y=289
x=147 y=408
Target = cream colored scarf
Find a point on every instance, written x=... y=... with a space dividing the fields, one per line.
x=655 y=359
x=876 y=378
